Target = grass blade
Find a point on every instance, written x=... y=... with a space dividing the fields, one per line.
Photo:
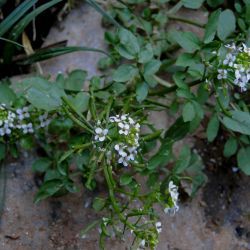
x=15 y=15
x=21 y=25
x=45 y=54
x=99 y=9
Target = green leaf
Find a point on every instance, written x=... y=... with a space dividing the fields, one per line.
x=230 y=147
x=146 y=54
x=41 y=93
x=213 y=128
x=211 y=26
x=7 y=95
x=243 y=160
x=41 y=164
x=226 y=24
x=192 y=4
x=178 y=130
x=49 y=188
x=188 y=112
x=129 y=41
x=81 y=102
x=125 y=179
x=99 y=9
x=162 y=156
x=125 y=73
x=183 y=160
x=141 y=91
x=187 y=40
x=214 y=3
x=151 y=67
x=124 y=52
x=99 y=204
x=27 y=142
x=75 y=80
x=240 y=122
x=45 y=54
x=187 y=59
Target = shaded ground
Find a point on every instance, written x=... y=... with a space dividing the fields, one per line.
x=218 y=218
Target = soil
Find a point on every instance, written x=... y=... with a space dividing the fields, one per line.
x=218 y=218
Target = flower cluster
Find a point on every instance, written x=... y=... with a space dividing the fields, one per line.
x=174 y=194
x=128 y=144
x=236 y=66
x=19 y=120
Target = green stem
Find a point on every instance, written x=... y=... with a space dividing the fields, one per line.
x=73 y=109
x=152 y=136
x=162 y=82
x=172 y=89
x=184 y=20
x=79 y=123
x=157 y=103
x=89 y=227
x=108 y=176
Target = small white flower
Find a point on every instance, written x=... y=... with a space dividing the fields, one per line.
x=173 y=191
x=231 y=46
x=123 y=160
x=158 y=227
x=222 y=74
x=229 y=60
x=246 y=49
x=100 y=134
x=142 y=245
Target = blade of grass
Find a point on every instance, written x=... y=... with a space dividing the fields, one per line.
x=9 y=41
x=99 y=9
x=15 y=15
x=45 y=54
x=21 y=25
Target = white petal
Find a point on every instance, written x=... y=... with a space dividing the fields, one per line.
x=102 y=138
x=98 y=130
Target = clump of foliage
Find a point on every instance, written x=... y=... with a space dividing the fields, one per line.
x=103 y=133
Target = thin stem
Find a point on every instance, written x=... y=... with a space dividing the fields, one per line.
x=184 y=20
x=108 y=177
x=77 y=113
x=175 y=8
x=157 y=103
x=90 y=226
x=173 y=88
x=79 y=123
x=162 y=82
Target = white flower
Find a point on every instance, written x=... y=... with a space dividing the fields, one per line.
x=158 y=227
x=23 y=113
x=229 y=60
x=124 y=128
x=242 y=78
x=231 y=46
x=222 y=74
x=246 y=49
x=100 y=134
x=123 y=160
x=44 y=121
x=173 y=191
x=114 y=119
x=142 y=245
